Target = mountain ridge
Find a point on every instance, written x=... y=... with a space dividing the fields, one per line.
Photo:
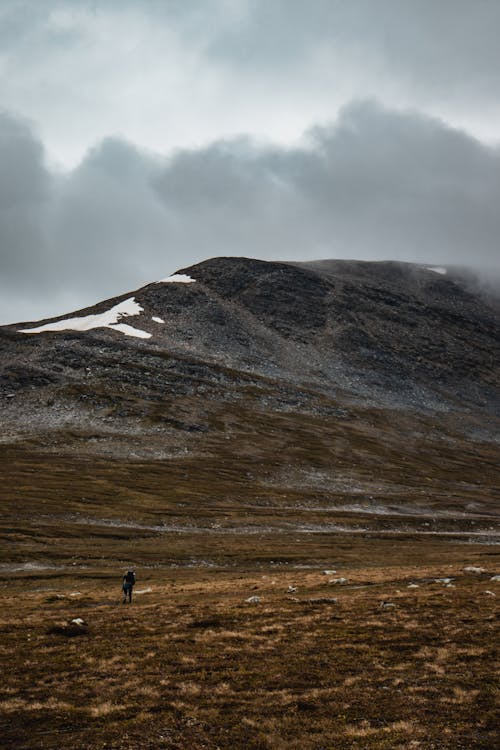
x=397 y=327
x=346 y=399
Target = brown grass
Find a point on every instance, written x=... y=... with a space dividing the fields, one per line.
x=192 y=665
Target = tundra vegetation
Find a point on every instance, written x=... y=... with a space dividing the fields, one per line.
x=301 y=463
x=253 y=625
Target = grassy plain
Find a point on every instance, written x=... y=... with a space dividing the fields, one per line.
x=389 y=658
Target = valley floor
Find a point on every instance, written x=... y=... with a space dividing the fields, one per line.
x=400 y=655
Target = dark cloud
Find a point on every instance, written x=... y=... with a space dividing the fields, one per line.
x=25 y=190
x=107 y=223
x=375 y=184
x=448 y=47
x=171 y=73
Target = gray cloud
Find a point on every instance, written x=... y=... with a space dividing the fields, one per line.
x=106 y=223
x=25 y=188
x=374 y=184
x=170 y=73
x=448 y=47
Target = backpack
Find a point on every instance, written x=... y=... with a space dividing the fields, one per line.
x=130 y=577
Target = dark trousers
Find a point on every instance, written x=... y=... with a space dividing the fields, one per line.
x=127 y=590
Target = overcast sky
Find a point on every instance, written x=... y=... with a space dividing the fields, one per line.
x=140 y=137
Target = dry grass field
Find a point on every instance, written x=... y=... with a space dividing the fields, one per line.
x=389 y=658
x=396 y=656
x=349 y=640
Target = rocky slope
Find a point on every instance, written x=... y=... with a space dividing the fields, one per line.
x=387 y=334
x=370 y=386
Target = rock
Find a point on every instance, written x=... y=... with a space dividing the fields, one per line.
x=413 y=586
x=292 y=589
x=329 y=572
x=387 y=605
x=474 y=569
x=253 y=600
x=495 y=578
x=338 y=580
x=70 y=628
x=490 y=593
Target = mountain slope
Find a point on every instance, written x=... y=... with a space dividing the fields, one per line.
x=292 y=456
x=297 y=394
x=390 y=324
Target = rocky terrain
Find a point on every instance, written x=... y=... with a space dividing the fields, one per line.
x=389 y=334
x=334 y=379
x=232 y=432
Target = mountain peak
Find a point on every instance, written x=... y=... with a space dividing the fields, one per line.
x=384 y=330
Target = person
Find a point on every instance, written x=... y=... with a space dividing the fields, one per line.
x=128 y=585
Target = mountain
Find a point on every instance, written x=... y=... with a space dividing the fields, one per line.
x=372 y=388
x=385 y=334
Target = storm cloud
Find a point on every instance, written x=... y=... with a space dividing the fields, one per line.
x=373 y=184
x=146 y=135
x=168 y=74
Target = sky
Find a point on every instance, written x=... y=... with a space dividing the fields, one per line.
x=141 y=137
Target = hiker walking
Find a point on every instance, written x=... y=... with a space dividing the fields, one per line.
x=128 y=585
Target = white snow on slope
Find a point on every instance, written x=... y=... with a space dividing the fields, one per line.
x=131 y=331
x=437 y=269
x=157 y=320
x=108 y=319
x=177 y=278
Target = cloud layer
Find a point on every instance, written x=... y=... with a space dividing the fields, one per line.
x=373 y=184
x=165 y=73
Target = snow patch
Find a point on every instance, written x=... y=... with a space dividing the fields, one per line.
x=437 y=269
x=157 y=320
x=130 y=331
x=108 y=319
x=177 y=278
